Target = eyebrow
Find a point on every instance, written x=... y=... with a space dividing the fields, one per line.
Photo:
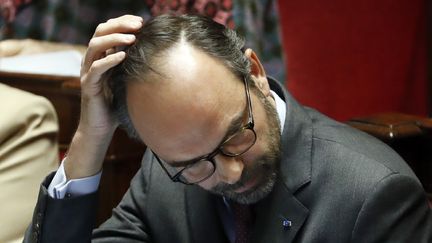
x=234 y=126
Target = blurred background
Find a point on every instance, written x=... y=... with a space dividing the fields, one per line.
x=344 y=58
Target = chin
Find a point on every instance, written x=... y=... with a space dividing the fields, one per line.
x=252 y=195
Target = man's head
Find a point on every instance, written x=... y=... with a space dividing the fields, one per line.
x=181 y=91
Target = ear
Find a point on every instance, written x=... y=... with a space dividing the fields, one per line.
x=258 y=73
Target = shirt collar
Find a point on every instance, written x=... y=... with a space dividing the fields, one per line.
x=280 y=109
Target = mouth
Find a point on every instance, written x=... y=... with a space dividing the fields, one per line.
x=250 y=184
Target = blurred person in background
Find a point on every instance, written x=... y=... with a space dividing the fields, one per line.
x=28 y=150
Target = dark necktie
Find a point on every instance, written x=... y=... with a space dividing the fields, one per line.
x=243 y=221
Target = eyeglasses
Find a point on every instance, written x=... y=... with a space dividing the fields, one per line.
x=202 y=168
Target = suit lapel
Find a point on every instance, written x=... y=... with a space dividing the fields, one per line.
x=296 y=157
x=281 y=215
x=203 y=219
x=278 y=217
x=296 y=143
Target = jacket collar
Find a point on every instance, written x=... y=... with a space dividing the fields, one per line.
x=296 y=142
x=281 y=215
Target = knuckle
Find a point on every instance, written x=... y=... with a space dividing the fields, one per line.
x=113 y=57
x=93 y=42
x=127 y=16
x=112 y=23
x=94 y=67
x=116 y=24
x=99 y=28
x=110 y=57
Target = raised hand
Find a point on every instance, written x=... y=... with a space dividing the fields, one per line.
x=100 y=57
x=97 y=124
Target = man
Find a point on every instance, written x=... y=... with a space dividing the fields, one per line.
x=220 y=135
x=28 y=151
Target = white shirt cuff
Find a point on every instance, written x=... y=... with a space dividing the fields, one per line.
x=60 y=187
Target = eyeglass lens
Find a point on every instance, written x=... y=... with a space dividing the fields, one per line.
x=234 y=146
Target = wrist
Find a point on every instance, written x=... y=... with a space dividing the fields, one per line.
x=86 y=154
x=96 y=119
x=95 y=134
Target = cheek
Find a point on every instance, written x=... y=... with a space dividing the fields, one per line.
x=262 y=131
x=209 y=183
x=254 y=153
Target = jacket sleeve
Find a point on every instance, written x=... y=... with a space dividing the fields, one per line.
x=73 y=219
x=129 y=222
x=396 y=211
x=62 y=220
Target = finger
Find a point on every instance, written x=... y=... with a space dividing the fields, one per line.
x=110 y=51
x=99 y=45
x=99 y=67
x=123 y=24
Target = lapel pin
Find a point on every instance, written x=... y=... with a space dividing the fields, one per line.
x=286 y=223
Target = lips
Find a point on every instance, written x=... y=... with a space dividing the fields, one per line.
x=247 y=186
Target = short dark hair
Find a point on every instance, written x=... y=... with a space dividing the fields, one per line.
x=158 y=35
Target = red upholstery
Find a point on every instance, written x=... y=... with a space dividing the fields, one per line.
x=355 y=58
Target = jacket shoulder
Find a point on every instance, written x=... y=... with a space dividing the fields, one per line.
x=356 y=148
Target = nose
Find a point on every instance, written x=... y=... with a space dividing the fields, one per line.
x=228 y=169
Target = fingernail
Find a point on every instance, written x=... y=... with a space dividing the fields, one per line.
x=136 y=24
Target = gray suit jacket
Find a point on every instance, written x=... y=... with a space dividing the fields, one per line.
x=336 y=184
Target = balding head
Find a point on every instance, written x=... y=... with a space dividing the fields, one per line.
x=161 y=34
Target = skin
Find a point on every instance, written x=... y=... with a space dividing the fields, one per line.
x=191 y=107
x=96 y=126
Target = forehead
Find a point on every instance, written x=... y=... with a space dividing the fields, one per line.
x=185 y=112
